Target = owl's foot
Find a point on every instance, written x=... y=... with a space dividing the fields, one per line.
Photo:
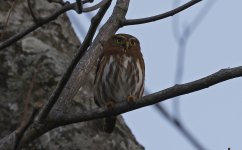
x=110 y=104
x=131 y=98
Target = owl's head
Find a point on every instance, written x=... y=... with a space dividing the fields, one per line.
x=124 y=42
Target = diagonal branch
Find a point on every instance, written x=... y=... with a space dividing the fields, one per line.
x=79 y=6
x=182 y=41
x=27 y=117
x=61 y=2
x=86 y=43
x=78 y=77
x=179 y=126
x=87 y=1
x=177 y=90
x=21 y=130
x=43 y=21
x=160 y=16
x=32 y=12
x=10 y=11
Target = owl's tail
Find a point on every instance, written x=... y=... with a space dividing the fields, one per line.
x=109 y=124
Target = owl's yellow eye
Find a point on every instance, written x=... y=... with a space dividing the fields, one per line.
x=132 y=42
x=119 y=41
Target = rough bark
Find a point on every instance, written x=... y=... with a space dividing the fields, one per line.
x=30 y=70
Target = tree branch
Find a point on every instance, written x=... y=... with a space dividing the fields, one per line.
x=10 y=11
x=87 y=1
x=79 y=6
x=77 y=78
x=177 y=123
x=179 y=126
x=160 y=16
x=21 y=130
x=43 y=21
x=86 y=43
x=32 y=12
x=182 y=41
x=177 y=90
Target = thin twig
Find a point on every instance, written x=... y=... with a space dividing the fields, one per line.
x=43 y=21
x=112 y=25
x=19 y=133
x=177 y=90
x=79 y=6
x=61 y=2
x=161 y=16
x=86 y=43
x=179 y=126
x=87 y=1
x=95 y=7
x=9 y=12
x=27 y=118
x=109 y=28
x=32 y=12
x=182 y=40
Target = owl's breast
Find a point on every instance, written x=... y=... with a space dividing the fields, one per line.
x=122 y=77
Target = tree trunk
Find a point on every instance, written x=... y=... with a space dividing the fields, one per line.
x=29 y=71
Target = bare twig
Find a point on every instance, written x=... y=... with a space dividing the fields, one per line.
x=83 y=67
x=61 y=2
x=182 y=40
x=179 y=126
x=27 y=117
x=32 y=12
x=86 y=43
x=198 y=19
x=79 y=6
x=21 y=130
x=43 y=21
x=10 y=11
x=109 y=28
x=177 y=123
x=161 y=16
x=38 y=129
x=177 y=90
x=78 y=76
x=95 y=7
x=87 y=1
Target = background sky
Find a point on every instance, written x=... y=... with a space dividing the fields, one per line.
x=212 y=115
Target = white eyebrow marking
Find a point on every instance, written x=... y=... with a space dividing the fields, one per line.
x=120 y=36
x=133 y=38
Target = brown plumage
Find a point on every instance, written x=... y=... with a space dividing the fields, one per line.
x=120 y=74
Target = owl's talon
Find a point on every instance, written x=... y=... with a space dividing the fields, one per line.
x=131 y=98
x=110 y=104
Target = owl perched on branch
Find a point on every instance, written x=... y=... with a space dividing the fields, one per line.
x=120 y=74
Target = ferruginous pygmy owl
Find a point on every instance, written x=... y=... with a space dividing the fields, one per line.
x=120 y=74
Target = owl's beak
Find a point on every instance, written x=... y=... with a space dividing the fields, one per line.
x=127 y=45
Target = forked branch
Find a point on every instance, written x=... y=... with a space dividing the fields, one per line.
x=46 y=20
x=160 y=16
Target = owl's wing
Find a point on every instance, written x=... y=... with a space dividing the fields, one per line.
x=96 y=78
x=98 y=66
